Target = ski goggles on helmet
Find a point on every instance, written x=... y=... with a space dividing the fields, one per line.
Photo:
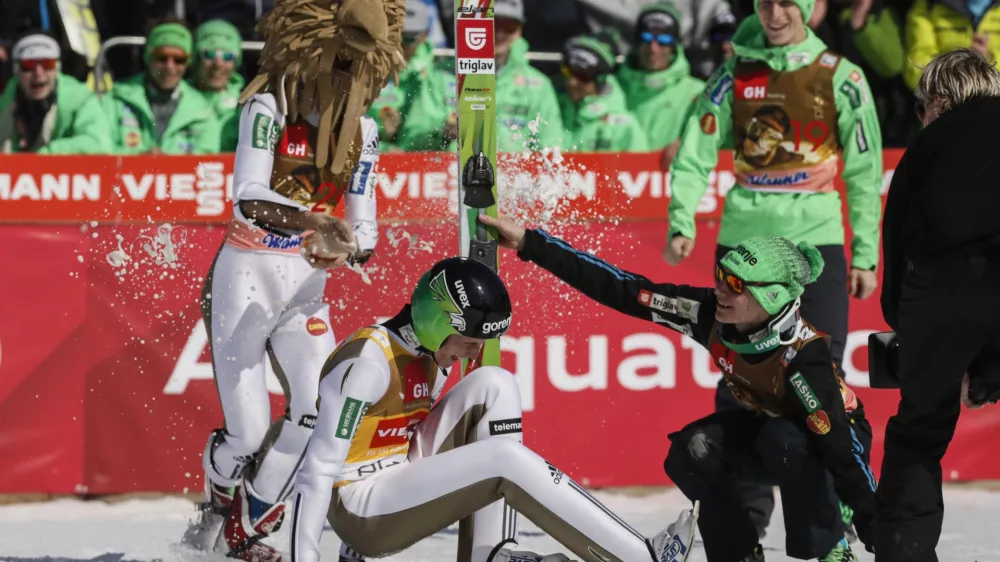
x=29 y=65
x=664 y=39
x=581 y=75
x=736 y=284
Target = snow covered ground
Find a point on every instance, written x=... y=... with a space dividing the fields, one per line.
x=148 y=530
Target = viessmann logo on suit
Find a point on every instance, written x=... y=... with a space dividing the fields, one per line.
x=475 y=46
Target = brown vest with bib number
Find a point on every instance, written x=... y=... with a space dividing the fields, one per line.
x=785 y=134
x=760 y=387
x=295 y=175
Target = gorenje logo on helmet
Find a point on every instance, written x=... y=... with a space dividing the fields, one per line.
x=746 y=254
x=441 y=294
x=490 y=327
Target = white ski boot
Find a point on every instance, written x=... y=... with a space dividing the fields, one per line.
x=674 y=543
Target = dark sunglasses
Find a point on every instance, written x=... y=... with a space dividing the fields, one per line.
x=661 y=38
x=31 y=65
x=227 y=56
x=178 y=59
x=735 y=284
x=581 y=76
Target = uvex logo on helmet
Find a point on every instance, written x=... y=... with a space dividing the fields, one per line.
x=746 y=254
x=499 y=326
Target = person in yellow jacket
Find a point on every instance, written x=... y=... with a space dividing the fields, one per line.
x=938 y=26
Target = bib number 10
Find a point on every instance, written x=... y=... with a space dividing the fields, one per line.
x=814 y=132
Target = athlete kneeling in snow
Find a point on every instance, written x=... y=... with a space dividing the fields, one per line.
x=799 y=424
x=388 y=469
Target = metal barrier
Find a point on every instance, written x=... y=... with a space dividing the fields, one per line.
x=138 y=41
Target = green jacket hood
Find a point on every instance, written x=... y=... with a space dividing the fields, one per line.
x=192 y=107
x=750 y=41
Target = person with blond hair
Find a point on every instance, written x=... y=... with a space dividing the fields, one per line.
x=941 y=245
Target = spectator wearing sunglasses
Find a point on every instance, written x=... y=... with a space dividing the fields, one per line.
x=793 y=109
x=412 y=116
x=158 y=112
x=219 y=53
x=797 y=423
x=45 y=111
x=594 y=112
x=657 y=81
x=524 y=94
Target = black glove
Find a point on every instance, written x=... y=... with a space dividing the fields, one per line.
x=865 y=528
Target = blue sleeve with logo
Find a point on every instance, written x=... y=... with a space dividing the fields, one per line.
x=682 y=308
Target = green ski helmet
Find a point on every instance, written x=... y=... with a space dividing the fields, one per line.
x=459 y=296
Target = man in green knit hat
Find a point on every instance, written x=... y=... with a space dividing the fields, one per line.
x=593 y=108
x=798 y=426
x=218 y=50
x=794 y=110
x=158 y=112
x=656 y=78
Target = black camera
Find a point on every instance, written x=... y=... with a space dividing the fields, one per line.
x=883 y=368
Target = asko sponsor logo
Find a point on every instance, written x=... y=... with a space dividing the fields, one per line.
x=388 y=433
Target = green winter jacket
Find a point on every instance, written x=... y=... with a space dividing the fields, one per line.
x=192 y=130
x=227 y=113
x=660 y=100
x=602 y=123
x=80 y=126
x=814 y=218
x=421 y=100
x=524 y=94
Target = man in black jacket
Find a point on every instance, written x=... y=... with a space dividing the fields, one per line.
x=798 y=425
x=941 y=245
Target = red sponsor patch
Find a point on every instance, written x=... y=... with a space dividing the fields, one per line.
x=855 y=76
x=389 y=433
x=708 y=123
x=415 y=379
x=818 y=422
x=295 y=141
x=475 y=38
x=751 y=86
x=132 y=139
x=316 y=326
x=645 y=297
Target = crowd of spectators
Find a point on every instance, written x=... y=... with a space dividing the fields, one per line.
x=627 y=72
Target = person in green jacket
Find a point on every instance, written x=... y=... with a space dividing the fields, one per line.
x=596 y=118
x=45 y=111
x=218 y=51
x=412 y=116
x=656 y=78
x=158 y=112
x=528 y=115
x=794 y=109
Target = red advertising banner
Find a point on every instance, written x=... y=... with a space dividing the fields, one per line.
x=412 y=186
x=106 y=383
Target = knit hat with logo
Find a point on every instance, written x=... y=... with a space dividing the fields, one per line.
x=774 y=269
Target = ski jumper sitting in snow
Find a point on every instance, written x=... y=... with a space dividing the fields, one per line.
x=304 y=146
x=799 y=423
x=388 y=467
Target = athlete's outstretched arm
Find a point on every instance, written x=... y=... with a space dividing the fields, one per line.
x=685 y=309
x=360 y=206
x=344 y=395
